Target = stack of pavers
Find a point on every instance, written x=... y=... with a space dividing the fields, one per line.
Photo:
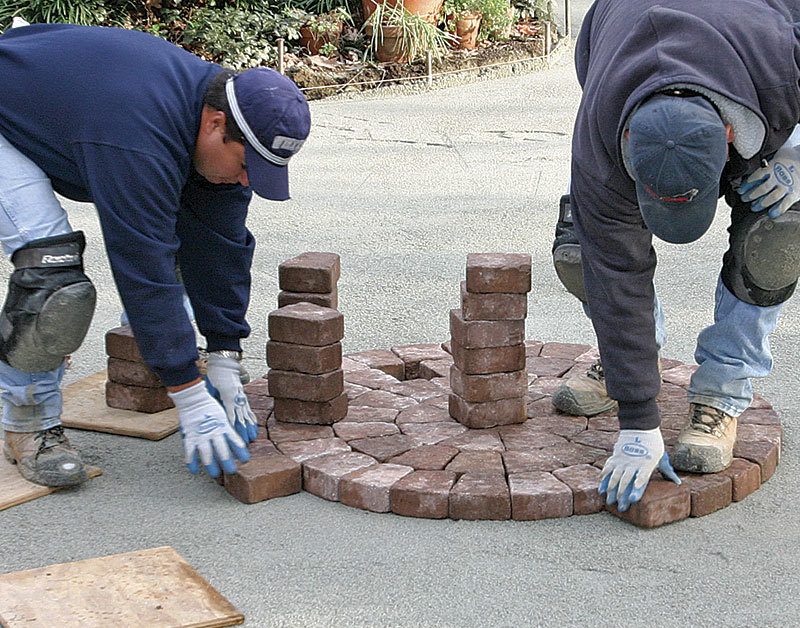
x=304 y=351
x=131 y=384
x=310 y=278
x=488 y=377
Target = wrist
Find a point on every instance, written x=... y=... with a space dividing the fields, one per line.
x=180 y=387
x=227 y=353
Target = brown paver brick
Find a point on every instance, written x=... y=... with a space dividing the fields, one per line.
x=302 y=450
x=574 y=453
x=663 y=502
x=426 y=457
x=543 y=386
x=323 y=299
x=412 y=355
x=312 y=412
x=605 y=423
x=132 y=373
x=310 y=272
x=535 y=460
x=369 y=378
x=488 y=414
x=597 y=439
x=746 y=478
x=385 y=399
x=284 y=356
x=759 y=416
x=285 y=432
x=384 y=447
x=382 y=360
x=349 y=365
x=432 y=433
x=369 y=489
x=306 y=324
x=759 y=402
x=521 y=438
x=264 y=477
x=679 y=375
x=491 y=387
x=543 y=417
x=476 y=440
x=533 y=347
x=750 y=432
x=583 y=480
x=354 y=431
x=496 y=306
x=476 y=462
x=367 y=414
x=499 y=272
x=710 y=492
x=305 y=386
x=442 y=401
x=417 y=389
x=490 y=359
x=480 y=496
x=483 y=334
x=428 y=369
x=765 y=454
x=137 y=398
x=321 y=476
x=563 y=350
x=422 y=494
x=354 y=391
x=538 y=495
x=121 y=344
x=547 y=367
x=423 y=413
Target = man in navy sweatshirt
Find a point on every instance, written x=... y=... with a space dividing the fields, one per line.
x=169 y=148
x=683 y=101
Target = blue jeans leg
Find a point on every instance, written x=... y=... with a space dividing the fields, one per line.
x=29 y=210
x=731 y=351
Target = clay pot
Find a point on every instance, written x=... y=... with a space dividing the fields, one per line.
x=428 y=8
x=314 y=43
x=390 y=49
x=467 y=27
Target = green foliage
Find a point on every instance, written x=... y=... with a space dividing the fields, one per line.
x=417 y=35
x=457 y=7
x=66 y=11
x=328 y=50
x=535 y=9
x=330 y=22
x=498 y=15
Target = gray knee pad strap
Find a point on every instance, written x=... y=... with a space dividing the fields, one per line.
x=49 y=305
x=762 y=264
x=567 y=252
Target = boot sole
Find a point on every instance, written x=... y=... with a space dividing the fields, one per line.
x=698 y=459
x=565 y=401
x=53 y=478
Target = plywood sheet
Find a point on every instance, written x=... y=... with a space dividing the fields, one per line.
x=85 y=409
x=14 y=489
x=154 y=588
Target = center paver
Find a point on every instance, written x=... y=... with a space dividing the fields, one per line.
x=399 y=450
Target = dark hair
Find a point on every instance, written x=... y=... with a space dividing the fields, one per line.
x=216 y=98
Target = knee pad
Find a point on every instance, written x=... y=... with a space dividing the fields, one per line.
x=49 y=305
x=762 y=264
x=567 y=252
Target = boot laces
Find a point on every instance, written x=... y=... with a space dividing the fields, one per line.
x=50 y=438
x=596 y=371
x=707 y=419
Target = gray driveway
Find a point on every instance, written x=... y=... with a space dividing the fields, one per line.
x=403 y=187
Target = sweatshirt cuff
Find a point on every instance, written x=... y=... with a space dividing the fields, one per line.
x=219 y=343
x=638 y=415
x=177 y=377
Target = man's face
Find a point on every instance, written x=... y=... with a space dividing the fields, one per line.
x=217 y=159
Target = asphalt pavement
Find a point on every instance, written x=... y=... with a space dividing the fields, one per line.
x=403 y=187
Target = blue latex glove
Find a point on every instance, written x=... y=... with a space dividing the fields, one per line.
x=626 y=473
x=776 y=185
x=208 y=438
x=224 y=376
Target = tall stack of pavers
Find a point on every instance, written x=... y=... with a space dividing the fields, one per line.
x=131 y=385
x=487 y=338
x=304 y=351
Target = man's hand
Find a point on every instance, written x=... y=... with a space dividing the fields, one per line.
x=224 y=374
x=776 y=185
x=627 y=472
x=207 y=435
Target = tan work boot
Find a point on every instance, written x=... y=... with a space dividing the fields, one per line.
x=585 y=395
x=45 y=457
x=705 y=445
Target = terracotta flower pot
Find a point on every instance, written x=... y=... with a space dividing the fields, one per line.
x=390 y=48
x=428 y=8
x=314 y=42
x=467 y=27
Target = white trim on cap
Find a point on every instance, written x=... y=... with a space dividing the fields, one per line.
x=247 y=131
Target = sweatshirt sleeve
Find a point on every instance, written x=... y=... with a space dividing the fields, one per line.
x=618 y=264
x=137 y=196
x=215 y=255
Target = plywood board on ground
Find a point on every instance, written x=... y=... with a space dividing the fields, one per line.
x=154 y=588
x=85 y=409
x=14 y=489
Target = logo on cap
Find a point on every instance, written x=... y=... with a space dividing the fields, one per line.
x=685 y=197
x=281 y=142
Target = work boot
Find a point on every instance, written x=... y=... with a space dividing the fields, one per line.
x=585 y=395
x=45 y=457
x=705 y=445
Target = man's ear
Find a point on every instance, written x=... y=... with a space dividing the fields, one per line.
x=212 y=120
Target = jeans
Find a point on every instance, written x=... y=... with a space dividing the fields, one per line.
x=28 y=210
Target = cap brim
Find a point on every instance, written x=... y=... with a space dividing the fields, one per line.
x=678 y=223
x=267 y=180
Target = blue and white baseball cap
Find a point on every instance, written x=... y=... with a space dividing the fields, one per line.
x=274 y=117
x=677 y=148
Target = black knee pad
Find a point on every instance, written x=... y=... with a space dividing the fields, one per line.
x=567 y=252
x=762 y=264
x=49 y=305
